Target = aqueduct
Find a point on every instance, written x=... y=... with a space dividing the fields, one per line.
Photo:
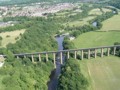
x=83 y=53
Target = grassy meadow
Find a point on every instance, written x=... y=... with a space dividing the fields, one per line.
x=10 y=37
x=82 y=22
x=102 y=73
x=111 y=24
x=95 y=39
x=106 y=10
x=95 y=11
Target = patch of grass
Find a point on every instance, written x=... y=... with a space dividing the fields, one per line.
x=106 y=10
x=102 y=73
x=82 y=22
x=112 y=23
x=95 y=11
x=11 y=39
x=95 y=39
x=62 y=13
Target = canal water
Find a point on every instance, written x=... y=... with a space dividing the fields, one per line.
x=94 y=24
x=52 y=84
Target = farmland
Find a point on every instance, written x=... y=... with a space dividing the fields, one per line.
x=112 y=24
x=94 y=39
x=102 y=73
x=10 y=37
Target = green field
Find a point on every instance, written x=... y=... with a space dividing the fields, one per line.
x=95 y=39
x=9 y=37
x=95 y=11
x=102 y=73
x=82 y=22
x=106 y=10
x=112 y=23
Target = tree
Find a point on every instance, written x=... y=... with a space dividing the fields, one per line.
x=71 y=77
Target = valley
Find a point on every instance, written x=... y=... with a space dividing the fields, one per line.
x=35 y=37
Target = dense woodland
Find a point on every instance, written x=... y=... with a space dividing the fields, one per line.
x=22 y=74
x=71 y=77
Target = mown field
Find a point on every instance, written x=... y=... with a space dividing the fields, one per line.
x=111 y=24
x=95 y=39
x=102 y=73
x=95 y=11
x=10 y=37
x=81 y=22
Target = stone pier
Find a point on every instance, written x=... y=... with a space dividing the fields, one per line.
x=95 y=52
x=102 y=51
x=17 y=57
x=88 y=53
x=108 y=51
x=114 y=51
x=61 y=58
x=68 y=55
x=54 y=60
x=25 y=56
x=82 y=55
x=39 y=56
x=75 y=53
x=46 y=57
x=32 y=56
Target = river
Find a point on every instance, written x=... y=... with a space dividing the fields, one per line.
x=52 y=84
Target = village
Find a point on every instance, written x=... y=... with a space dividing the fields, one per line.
x=33 y=10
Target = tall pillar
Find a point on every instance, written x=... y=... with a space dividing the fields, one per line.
x=17 y=57
x=88 y=53
x=54 y=60
x=101 y=52
x=39 y=56
x=68 y=55
x=61 y=58
x=82 y=56
x=75 y=54
x=46 y=57
x=108 y=51
x=32 y=58
x=24 y=56
x=114 y=51
x=95 y=53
